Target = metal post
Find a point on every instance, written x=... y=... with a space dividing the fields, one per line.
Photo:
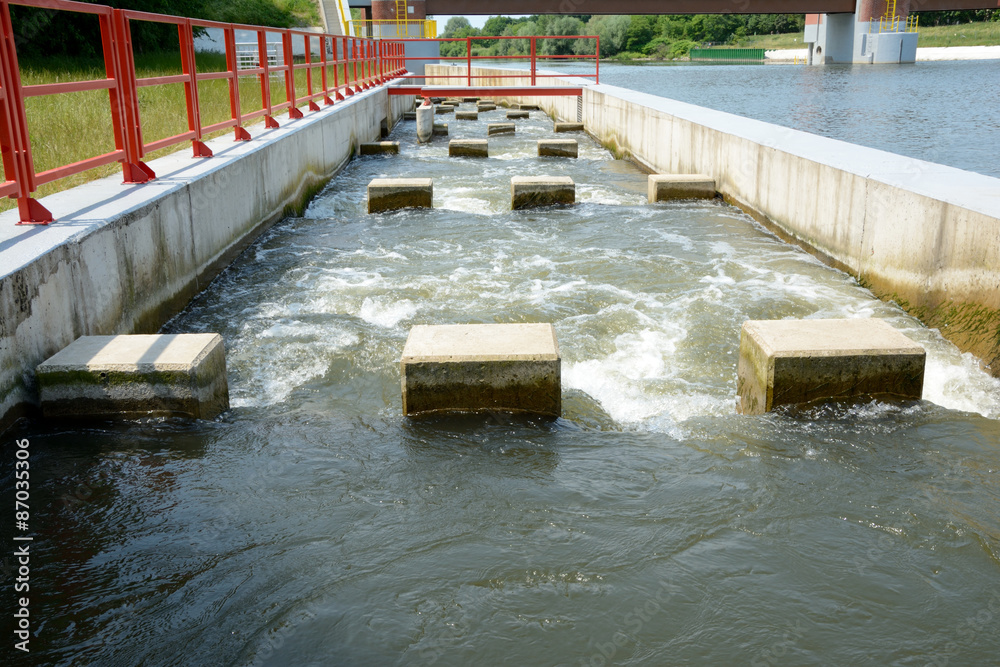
x=234 y=84
x=532 y=61
x=286 y=43
x=468 y=61
x=186 y=37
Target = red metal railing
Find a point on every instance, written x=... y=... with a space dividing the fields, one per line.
x=532 y=56
x=365 y=64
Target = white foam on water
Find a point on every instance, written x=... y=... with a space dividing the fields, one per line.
x=386 y=312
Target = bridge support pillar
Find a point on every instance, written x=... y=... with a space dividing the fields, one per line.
x=877 y=32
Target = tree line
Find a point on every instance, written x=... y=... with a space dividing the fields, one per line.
x=664 y=36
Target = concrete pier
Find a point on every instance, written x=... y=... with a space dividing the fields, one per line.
x=425 y=123
x=380 y=148
x=662 y=187
x=517 y=115
x=390 y=194
x=469 y=148
x=787 y=362
x=534 y=191
x=136 y=376
x=558 y=148
x=440 y=130
x=466 y=115
x=500 y=128
x=482 y=367
x=568 y=127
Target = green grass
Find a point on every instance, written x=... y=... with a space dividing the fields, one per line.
x=966 y=34
x=71 y=127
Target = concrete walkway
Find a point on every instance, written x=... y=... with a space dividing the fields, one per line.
x=927 y=53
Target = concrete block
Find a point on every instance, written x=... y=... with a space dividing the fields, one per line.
x=528 y=107
x=410 y=115
x=568 y=127
x=136 y=376
x=680 y=186
x=470 y=100
x=437 y=100
x=443 y=109
x=466 y=115
x=558 y=148
x=380 y=148
x=482 y=367
x=389 y=194
x=786 y=362
x=532 y=191
x=469 y=148
x=451 y=103
x=514 y=115
x=440 y=130
x=486 y=106
x=425 y=123
x=500 y=128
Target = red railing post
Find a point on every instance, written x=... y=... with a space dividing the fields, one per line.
x=354 y=57
x=597 y=61
x=307 y=39
x=324 y=40
x=533 y=64
x=263 y=62
x=133 y=168
x=468 y=61
x=186 y=37
x=235 y=105
x=286 y=46
x=336 y=68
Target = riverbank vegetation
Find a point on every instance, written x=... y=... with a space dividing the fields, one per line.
x=672 y=36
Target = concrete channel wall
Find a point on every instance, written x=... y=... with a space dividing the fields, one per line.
x=921 y=234
x=126 y=258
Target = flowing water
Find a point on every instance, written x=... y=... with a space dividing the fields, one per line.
x=313 y=525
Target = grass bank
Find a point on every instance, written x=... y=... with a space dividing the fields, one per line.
x=72 y=127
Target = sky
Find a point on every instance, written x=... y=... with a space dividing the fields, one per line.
x=476 y=21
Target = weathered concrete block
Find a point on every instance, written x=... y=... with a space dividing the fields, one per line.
x=380 y=148
x=466 y=115
x=469 y=148
x=389 y=194
x=568 y=127
x=532 y=191
x=558 y=148
x=410 y=115
x=136 y=376
x=452 y=103
x=471 y=100
x=797 y=361
x=443 y=109
x=528 y=107
x=486 y=106
x=425 y=123
x=515 y=115
x=500 y=128
x=440 y=130
x=482 y=367
x=680 y=186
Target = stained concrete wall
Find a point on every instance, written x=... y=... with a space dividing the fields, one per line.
x=125 y=258
x=921 y=234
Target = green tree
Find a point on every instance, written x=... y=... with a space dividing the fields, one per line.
x=455 y=23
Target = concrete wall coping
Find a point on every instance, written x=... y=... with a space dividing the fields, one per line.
x=84 y=209
x=976 y=192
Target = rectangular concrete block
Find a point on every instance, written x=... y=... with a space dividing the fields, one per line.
x=469 y=148
x=515 y=115
x=528 y=107
x=466 y=115
x=482 y=367
x=380 y=148
x=409 y=115
x=440 y=130
x=533 y=191
x=568 y=127
x=487 y=106
x=500 y=128
x=452 y=103
x=558 y=148
x=785 y=362
x=390 y=194
x=443 y=109
x=136 y=376
x=662 y=187
x=470 y=100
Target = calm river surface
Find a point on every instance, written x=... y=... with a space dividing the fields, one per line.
x=945 y=112
x=313 y=525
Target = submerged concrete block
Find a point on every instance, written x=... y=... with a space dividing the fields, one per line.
x=440 y=130
x=410 y=115
x=482 y=367
x=451 y=103
x=469 y=148
x=443 y=109
x=136 y=376
x=466 y=115
x=500 y=128
x=515 y=115
x=568 y=127
x=471 y=100
x=558 y=148
x=532 y=191
x=528 y=107
x=380 y=148
x=486 y=106
x=680 y=186
x=389 y=194
x=786 y=362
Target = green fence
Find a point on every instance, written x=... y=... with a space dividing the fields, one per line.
x=729 y=55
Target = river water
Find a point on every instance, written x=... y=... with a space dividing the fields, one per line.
x=313 y=525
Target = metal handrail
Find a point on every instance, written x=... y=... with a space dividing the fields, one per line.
x=379 y=61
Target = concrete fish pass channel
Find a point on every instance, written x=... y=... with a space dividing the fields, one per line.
x=649 y=524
